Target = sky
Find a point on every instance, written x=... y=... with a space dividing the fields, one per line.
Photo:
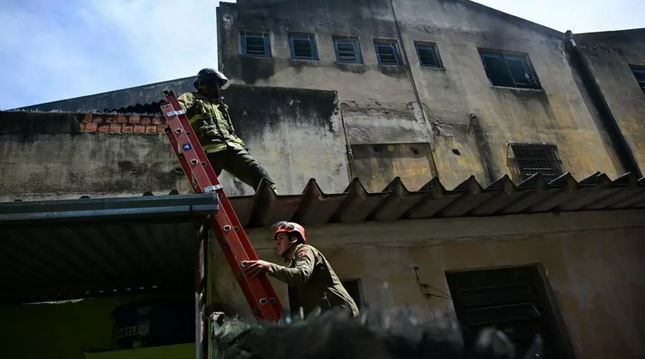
x=57 y=49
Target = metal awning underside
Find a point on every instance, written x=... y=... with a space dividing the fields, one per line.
x=89 y=247
x=395 y=202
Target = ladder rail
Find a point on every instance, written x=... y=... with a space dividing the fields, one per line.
x=228 y=230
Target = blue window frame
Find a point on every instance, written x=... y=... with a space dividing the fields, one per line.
x=428 y=54
x=509 y=69
x=255 y=44
x=348 y=50
x=387 y=52
x=303 y=46
x=639 y=73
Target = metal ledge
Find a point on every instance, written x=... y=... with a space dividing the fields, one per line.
x=107 y=209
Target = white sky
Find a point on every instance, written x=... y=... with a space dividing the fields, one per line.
x=57 y=49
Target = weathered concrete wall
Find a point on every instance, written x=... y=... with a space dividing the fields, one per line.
x=378 y=103
x=44 y=155
x=593 y=261
x=558 y=113
x=463 y=111
x=608 y=56
x=296 y=134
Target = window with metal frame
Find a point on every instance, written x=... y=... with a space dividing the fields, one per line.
x=537 y=158
x=347 y=50
x=509 y=69
x=303 y=46
x=639 y=73
x=428 y=54
x=387 y=52
x=255 y=44
x=516 y=301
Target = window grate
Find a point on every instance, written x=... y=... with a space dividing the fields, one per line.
x=347 y=50
x=537 y=158
x=513 y=300
x=255 y=44
x=303 y=47
x=428 y=54
x=509 y=69
x=387 y=52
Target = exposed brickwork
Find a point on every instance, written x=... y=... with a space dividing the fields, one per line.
x=122 y=123
x=134 y=119
x=151 y=129
x=121 y=118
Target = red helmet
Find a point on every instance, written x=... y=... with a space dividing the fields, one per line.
x=289 y=227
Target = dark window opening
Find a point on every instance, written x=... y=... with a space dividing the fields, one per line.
x=303 y=47
x=639 y=73
x=537 y=158
x=428 y=54
x=351 y=285
x=255 y=44
x=509 y=70
x=387 y=52
x=515 y=301
x=347 y=50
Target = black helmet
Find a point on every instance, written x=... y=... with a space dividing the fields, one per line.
x=208 y=75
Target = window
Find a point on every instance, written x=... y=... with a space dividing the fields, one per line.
x=255 y=44
x=347 y=50
x=303 y=47
x=351 y=285
x=428 y=54
x=639 y=73
x=537 y=158
x=515 y=301
x=509 y=69
x=387 y=52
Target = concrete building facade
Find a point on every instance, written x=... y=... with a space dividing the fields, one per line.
x=449 y=111
x=498 y=129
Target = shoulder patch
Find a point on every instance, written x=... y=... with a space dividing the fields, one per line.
x=301 y=253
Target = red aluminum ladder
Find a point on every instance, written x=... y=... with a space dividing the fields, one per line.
x=227 y=228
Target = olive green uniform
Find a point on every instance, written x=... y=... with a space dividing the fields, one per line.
x=225 y=150
x=315 y=280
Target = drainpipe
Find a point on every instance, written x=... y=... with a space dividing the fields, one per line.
x=433 y=166
x=581 y=64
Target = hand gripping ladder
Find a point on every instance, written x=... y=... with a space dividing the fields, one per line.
x=225 y=224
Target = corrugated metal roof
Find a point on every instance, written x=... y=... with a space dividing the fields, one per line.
x=71 y=254
x=90 y=247
x=469 y=198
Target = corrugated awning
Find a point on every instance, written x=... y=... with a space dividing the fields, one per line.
x=89 y=247
x=395 y=202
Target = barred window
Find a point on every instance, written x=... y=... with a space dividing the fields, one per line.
x=255 y=44
x=515 y=301
x=428 y=54
x=537 y=158
x=347 y=50
x=387 y=52
x=303 y=46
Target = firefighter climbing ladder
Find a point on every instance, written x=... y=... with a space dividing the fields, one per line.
x=225 y=224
